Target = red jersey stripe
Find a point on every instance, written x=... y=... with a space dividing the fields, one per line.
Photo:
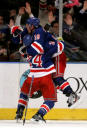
x=22 y=101
x=58 y=87
x=42 y=70
x=45 y=107
x=64 y=85
x=60 y=46
x=38 y=47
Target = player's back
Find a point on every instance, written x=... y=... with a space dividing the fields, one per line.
x=41 y=66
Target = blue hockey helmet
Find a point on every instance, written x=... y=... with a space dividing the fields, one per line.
x=33 y=21
x=27 y=40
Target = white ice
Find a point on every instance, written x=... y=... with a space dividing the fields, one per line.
x=50 y=125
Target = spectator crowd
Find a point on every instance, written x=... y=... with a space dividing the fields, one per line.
x=74 y=25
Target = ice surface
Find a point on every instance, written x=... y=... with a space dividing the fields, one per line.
x=54 y=125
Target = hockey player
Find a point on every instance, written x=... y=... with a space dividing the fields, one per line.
x=39 y=36
x=60 y=64
x=61 y=83
x=58 y=77
x=41 y=67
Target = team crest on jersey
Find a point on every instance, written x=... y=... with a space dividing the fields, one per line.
x=37 y=36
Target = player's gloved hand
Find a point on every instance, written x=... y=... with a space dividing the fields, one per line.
x=16 y=30
x=60 y=39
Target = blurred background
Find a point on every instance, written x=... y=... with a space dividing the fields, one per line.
x=73 y=25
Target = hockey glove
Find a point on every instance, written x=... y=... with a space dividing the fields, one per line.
x=16 y=30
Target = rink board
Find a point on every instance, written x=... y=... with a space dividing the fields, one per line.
x=10 y=73
x=54 y=114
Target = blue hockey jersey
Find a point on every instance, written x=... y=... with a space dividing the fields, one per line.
x=40 y=52
x=42 y=49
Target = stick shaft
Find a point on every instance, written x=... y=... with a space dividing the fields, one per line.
x=28 y=100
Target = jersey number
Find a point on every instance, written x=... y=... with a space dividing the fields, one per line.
x=37 y=60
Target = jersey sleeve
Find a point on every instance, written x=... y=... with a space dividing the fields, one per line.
x=37 y=47
x=51 y=49
x=60 y=48
x=54 y=47
x=39 y=36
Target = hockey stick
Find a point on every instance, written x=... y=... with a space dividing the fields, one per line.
x=28 y=100
x=21 y=51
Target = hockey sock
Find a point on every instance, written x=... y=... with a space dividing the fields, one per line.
x=46 y=107
x=22 y=100
x=64 y=86
x=20 y=107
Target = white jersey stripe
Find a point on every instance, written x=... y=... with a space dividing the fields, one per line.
x=35 y=49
